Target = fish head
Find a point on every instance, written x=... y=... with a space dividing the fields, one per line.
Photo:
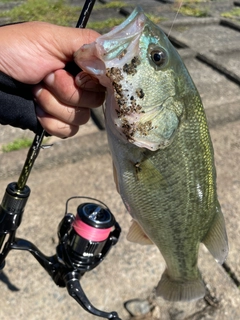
x=143 y=74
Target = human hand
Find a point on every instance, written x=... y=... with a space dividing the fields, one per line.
x=36 y=53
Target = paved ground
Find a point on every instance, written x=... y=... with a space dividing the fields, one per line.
x=82 y=166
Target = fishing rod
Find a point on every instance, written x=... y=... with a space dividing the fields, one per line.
x=72 y=68
x=84 y=240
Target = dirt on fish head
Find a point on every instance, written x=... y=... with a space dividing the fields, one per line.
x=141 y=73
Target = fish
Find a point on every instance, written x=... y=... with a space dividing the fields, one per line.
x=161 y=148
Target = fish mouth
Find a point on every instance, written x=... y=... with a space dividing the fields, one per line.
x=121 y=42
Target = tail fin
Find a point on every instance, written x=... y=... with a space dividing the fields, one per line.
x=173 y=290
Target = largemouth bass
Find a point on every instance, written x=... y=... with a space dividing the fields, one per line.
x=161 y=150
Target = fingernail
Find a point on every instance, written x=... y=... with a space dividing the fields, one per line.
x=49 y=79
x=37 y=90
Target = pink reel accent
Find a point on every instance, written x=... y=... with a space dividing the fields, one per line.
x=90 y=233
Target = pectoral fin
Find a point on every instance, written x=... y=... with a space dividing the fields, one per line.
x=137 y=235
x=216 y=239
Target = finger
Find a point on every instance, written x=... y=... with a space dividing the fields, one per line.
x=54 y=126
x=68 y=114
x=75 y=93
x=84 y=81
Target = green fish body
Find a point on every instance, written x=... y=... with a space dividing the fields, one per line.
x=161 y=149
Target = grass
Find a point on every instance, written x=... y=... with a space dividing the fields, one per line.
x=105 y=24
x=194 y=8
x=110 y=5
x=188 y=10
x=54 y=11
x=17 y=144
x=232 y=14
x=61 y=13
x=155 y=19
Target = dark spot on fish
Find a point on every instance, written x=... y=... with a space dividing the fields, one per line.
x=138 y=169
x=135 y=61
x=140 y=93
x=122 y=54
x=128 y=129
x=137 y=166
x=127 y=104
x=114 y=74
x=144 y=128
x=131 y=68
x=121 y=102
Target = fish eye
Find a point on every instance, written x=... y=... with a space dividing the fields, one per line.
x=158 y=56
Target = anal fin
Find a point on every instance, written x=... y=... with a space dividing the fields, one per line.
x=137 y=235
x=216 y=239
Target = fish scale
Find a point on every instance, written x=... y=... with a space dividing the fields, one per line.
x=161 y=149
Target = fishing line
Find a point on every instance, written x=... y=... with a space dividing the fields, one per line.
x=181 y=3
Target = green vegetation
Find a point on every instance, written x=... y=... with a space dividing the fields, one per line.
x=155 y=19
x=17 y=144
x=232 y=14
x=54 y=11
x=105 y=24
x=61 y=13
x=112 y=22
x=110 y=5
x=195 y=12
x=192 y=1
x=195 y=8
x=58 y=12
x=189 y=10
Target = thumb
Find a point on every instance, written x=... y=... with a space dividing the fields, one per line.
x=70 y=40
x=31 y=50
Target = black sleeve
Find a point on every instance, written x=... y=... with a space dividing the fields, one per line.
x=17 y=107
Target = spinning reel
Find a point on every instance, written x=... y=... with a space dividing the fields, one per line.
x=84 y=241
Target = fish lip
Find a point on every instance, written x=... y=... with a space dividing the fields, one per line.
x=111 y=45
